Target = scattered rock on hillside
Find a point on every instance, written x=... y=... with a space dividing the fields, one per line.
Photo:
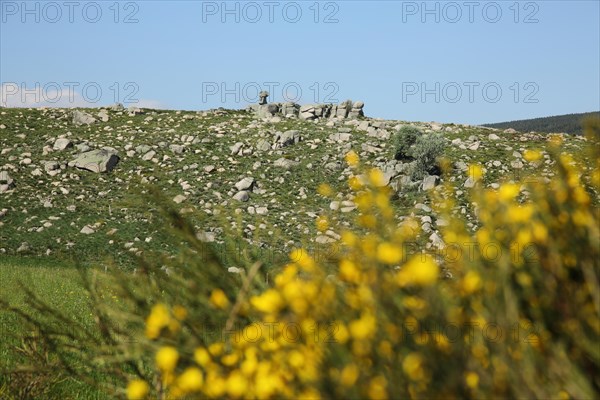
x=82 y=118
x=340 y=137
x=177 y=148
x=474 y=146
x=149 y=155
x=287 y=138
x=516 y=164
x=363 y=125
x=322 y=239
x=242 y=196
x=423 y=207
x=6 y=181
x=96 y=161
x=461 y=166
x=437 y=241
x=23 y=248
x=430 y=182
x=469 y=183
x=179 y=199
x=143 y=148
x=285 y=163
x=245 y=184
x=62 y=144
x=262 y=210
x=263 y=145
x=103 y=115
x=133 y=110
x=347 y=206
x=82 y=147
x=87 y=230
x=206 y=237
x=236 y=148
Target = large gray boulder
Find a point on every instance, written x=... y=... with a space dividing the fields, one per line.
x=341 y=110
x=267 y=110
x=363 y=125
x=290 y=109
x=287 y=138
x=356 y=110
x=314 y=111
x=82 y=118
x=102 y=160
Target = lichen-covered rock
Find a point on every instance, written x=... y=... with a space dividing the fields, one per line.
x=102 y=160
x=82 y=118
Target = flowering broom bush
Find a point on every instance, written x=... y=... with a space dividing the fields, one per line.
x=518 y=319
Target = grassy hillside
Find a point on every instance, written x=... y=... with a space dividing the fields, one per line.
x=379 y=250
x=568 y=123
x=44 y=214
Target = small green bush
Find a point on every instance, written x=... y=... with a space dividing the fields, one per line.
x=426 y=151
x=404 y=140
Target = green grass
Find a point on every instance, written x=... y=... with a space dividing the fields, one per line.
x=60 y=286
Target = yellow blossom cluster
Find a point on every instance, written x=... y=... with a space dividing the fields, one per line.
x=386 y=324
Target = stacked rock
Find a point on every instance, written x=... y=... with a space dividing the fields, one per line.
x=314 y=111
x=357 y=110
x=290 y=109
x=265 y=109
x=346 y=109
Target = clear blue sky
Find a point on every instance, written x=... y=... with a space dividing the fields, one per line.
x=426 y=61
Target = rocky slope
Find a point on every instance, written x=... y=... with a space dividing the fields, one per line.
x=72 y=182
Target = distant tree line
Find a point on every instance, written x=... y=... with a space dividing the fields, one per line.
x=568 y=123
